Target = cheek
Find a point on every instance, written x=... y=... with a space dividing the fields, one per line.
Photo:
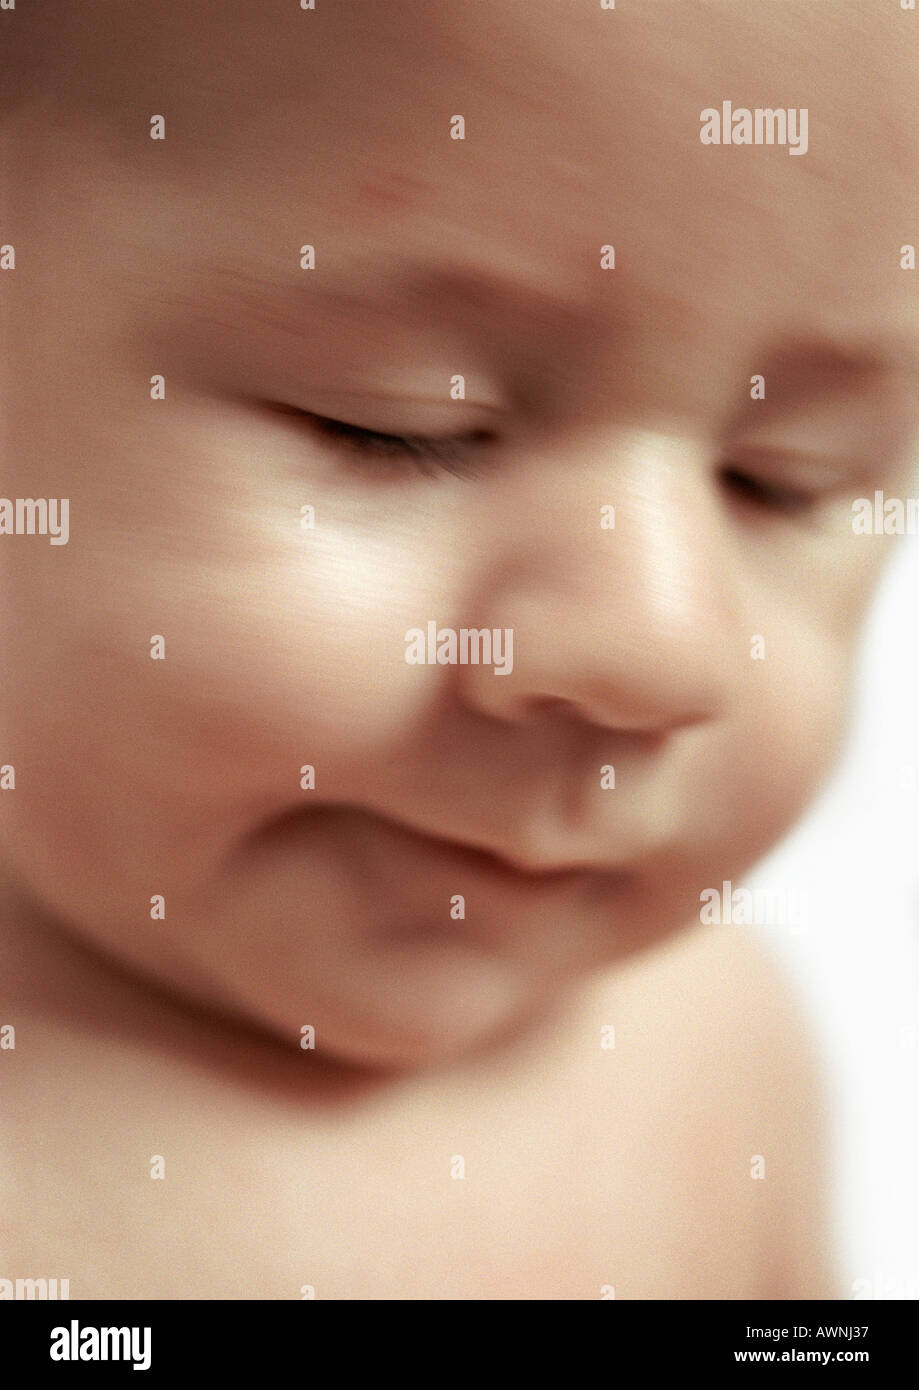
x=753 y=776
x=280 y=647
x=793 y=711
x=799 y=720
x=296 y=654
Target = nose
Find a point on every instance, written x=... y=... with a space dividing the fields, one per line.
x=623 y=619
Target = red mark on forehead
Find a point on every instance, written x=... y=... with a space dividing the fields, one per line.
x=390 y=193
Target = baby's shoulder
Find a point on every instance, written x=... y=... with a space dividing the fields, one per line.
x=712 y=1065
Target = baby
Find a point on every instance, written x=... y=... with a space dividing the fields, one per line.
x=459 y=411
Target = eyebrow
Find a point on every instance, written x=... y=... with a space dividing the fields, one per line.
x=852 y=356
x=491 y=289
x=859 y=354
x=412 y=287
x=882 y=353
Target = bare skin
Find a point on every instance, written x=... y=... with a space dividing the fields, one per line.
x=141 y=779
x=590 y=1171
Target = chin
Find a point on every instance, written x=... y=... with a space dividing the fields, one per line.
x=453 y=1030
x=388 y=1049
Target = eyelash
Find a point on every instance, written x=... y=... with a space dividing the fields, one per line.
x=450 y=454
x=790 y=501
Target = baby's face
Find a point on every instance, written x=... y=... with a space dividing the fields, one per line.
x=700 y=646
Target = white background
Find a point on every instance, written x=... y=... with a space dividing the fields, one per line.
x=857 y=961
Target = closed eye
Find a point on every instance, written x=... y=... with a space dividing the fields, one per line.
x=452 y=454
x=426 y=453
x=780 y=499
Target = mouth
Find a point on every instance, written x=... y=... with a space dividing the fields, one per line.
x=509 y=869
x=554 y=917
x=386 y=841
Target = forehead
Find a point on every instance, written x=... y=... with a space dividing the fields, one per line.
x=582 y=130
x=584 y=82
